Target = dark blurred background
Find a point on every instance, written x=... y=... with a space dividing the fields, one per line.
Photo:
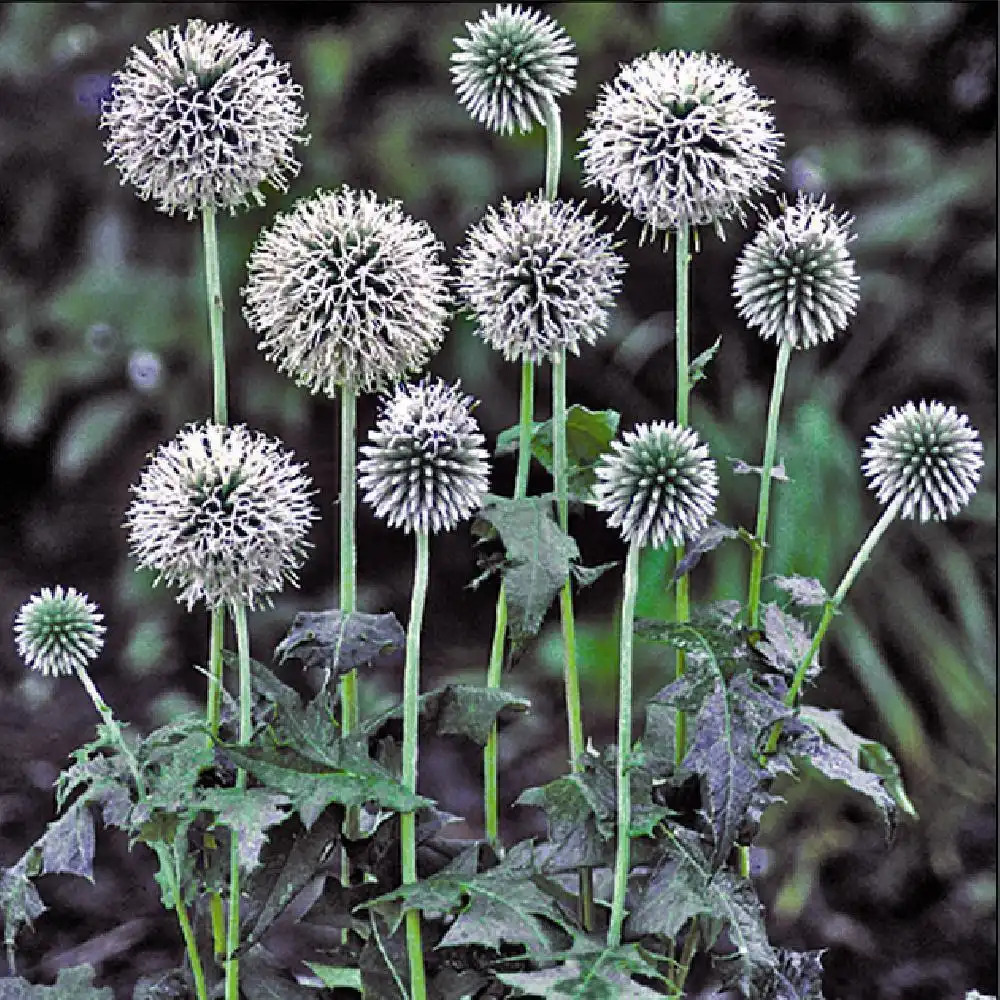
x=889 y=108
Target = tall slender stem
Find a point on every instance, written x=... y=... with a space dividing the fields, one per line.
x=213 y=291
x=553 y=147
x=770 y=445
x=216 y=637
x=408 y=821
x=622 y=847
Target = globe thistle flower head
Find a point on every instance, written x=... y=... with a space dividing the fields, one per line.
x=928 y=456
x=58 y=631
x=512 y=63
x=221 y=513
x=539 y=276
x=345 y=290
x=203 y=119
x=796 y=280
x=425 y=468
x=657 y=484
x=681 y=138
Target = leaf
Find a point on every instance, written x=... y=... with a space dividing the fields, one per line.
x=263 y=978
x=876 y=758
x=803 y=590
x=105 y=782
x=69 y=843
x=339 y=977
x=586 y=575
x=798 y=976
x=249 y=813
x=573 y=837
x=76 y=983
x=785 y=643
x=714 y=534
x=741 y=468
x=696 y=370
x=470 y=711
x=19 y=900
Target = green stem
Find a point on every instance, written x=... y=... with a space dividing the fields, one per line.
x=111 y=723
x=770 y=446
x=526 y=424
x=622 y=847
x=553 y=147
x=213 y=707
x=213 y=290
x=684 y=963
x=408 y=820
x=187 y=931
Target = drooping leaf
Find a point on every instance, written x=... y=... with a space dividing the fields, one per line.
x=76 y=983
x=19 y=900
x=104 y=781
x=876 y=758
x=714 y=534
x=249 y=813
x=69 y=843
x=470 y=711
x=696 y=369
x=803 y=590
x=573 y=839
x=785 y=643
x=586 y=575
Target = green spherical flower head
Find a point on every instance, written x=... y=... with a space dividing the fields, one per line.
x=512 y=63
x=58 y=631
x=345 y=290
x=657 y=484
x=425 y=468
x=203 y=119
x=538 y=276
x=928 y=455
x=796 y=281
x=681 y=138
x=222 y=513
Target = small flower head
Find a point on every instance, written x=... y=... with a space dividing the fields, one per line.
x=203 y=119
x=58 y=631
x=538 y=276
x=657 y=484
x=425 y=468
x=796 y=281
x=681 y=138
x=928 y=456
x=512 y=63
x=222 y=513
x=345 y=290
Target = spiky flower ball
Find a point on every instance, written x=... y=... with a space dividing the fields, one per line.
x=681 y=138
x=58 y=631
x=928 y=456
x=538 y=276
x=796 y=280
x=346 y=290
x=203 y=119
x=425 y=468
x=657 y=484
x=222 y=513
x=512 y=63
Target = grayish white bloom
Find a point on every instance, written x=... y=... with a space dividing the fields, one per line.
x=203 y=119
x=928 y=455
x=512 y=63
x=679 y=138
x=425 y=468
x=796 y=280
x=58 y=631
x=347 y=290
x=657 y=484
x=222 y=513
x=538 y=276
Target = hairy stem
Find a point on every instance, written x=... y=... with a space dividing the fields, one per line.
x=213 y=291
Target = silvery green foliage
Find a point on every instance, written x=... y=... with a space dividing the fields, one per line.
x=513 y=62
x=681 y=138
x=425 y=468
x=796 y=280
x=657 y=484
x=538 y=276
x=58 y=631
x=203 y=119
x=928 y=455
x=222 y=513
x=347 y=290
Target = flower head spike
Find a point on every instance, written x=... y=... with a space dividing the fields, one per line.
x=222 y=513
x=928 y=456
x=681 y=138
x=347 y=290
x=538 y=276
x=657 y=484
x=512 y=63
x=58 y=631
x=204 y=119
x=425 y=468
x=796 y=280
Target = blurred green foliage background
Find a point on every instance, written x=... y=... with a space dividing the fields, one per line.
x=889 y=108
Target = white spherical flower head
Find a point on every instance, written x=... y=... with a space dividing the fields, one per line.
x=539 y=276
x=512 y=63
x=681 y=138
x=222 y=513
x=58 y=631
x=425 y=468
x=796 y=280
x=203 y=119
x=926 y=454
x=657 y=484
x=345 y=290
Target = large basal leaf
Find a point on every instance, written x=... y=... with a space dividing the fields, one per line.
x=249 y=813
x=76 y=983
x=573 y=838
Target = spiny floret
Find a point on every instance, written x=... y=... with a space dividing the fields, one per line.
x=347 y=290
x=927 y=456
x=425 y=468
x=538 y=276
x=58 y=631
